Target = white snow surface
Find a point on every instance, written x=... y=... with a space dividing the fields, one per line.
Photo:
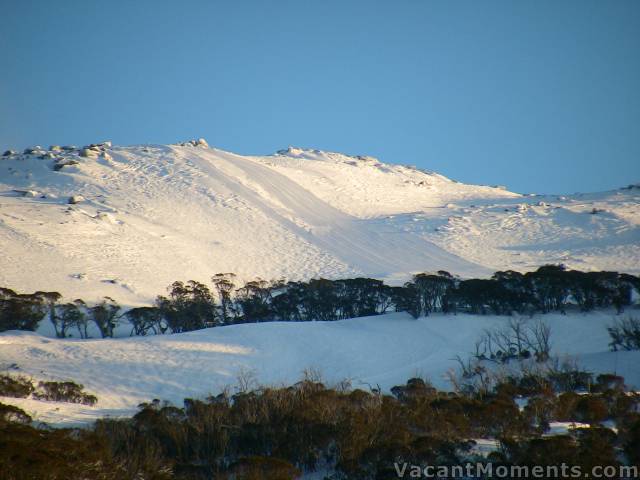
x=153 y=214
x=148 y=215
x=380 y=351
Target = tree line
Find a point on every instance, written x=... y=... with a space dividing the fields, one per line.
x=280 y=433
x=194 y=305
x=25 y=312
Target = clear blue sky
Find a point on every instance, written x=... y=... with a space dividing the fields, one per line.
x=541 y=96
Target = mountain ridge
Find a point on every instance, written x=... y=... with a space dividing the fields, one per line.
x=127 y=221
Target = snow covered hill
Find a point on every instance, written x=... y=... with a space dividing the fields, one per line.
x=127 y=221
x=144 y=216
x=381 y=351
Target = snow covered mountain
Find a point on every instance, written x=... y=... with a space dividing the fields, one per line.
x=127 y=221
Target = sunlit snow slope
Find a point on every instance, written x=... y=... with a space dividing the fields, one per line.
x=154 y=214
x=380 y=351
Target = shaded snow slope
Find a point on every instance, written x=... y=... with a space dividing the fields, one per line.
x=154 y=214
x=373 y=351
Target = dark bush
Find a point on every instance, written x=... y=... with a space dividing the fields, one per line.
x=569 y=379
x=591 y=409
x=529 y=385
x=415 y=388
x=20 y=312
x=11 y=413
x=18 y=387
x=27 y=453
x=607 y=382
x=632 y=440
x=263 y=468
x=277 y=433
x=566 y=406
x=69 y=392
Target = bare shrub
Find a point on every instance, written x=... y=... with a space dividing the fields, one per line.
x=625 y=334
x=519 y=339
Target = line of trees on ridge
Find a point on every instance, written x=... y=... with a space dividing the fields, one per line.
x=193 y=305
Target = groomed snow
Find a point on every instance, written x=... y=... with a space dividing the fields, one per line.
x=376 y=351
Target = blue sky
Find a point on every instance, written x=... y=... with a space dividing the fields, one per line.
x=541 y=96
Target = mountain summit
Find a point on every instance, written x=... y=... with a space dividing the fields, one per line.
x=127 y=221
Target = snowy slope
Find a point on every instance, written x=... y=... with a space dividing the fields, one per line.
x=384 y=350
x=155 y=214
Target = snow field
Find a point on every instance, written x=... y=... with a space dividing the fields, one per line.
x=369 y=352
